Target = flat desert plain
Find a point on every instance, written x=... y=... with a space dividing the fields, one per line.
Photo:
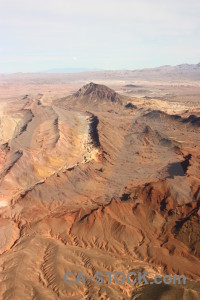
x=100 y=172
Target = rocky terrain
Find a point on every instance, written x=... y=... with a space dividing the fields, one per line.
x=95 y=180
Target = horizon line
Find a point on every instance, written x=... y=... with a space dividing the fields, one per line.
x=77 y=70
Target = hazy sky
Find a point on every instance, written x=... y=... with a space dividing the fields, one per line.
x=39 y=35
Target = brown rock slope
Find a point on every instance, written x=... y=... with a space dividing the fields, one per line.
x=94 y=96
x=89 y=185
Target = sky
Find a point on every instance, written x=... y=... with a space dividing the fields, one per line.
x=38 y=35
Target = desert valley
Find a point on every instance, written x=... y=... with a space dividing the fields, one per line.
x=100 y=171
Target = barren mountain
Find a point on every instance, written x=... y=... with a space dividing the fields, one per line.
x=97 y=92
x=94 y=96
x=95 y=182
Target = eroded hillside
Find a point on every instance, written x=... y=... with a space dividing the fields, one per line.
x=97 y=181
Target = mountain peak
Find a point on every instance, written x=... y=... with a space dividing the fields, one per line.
x=88 y=88
x=98 y=92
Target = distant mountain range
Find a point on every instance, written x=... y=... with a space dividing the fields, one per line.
x=165 y=68
x=170 y=73
x=177 y=67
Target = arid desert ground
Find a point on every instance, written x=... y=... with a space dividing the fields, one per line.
x=100 y=171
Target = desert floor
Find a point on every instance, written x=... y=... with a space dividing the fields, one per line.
x=89 y=183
